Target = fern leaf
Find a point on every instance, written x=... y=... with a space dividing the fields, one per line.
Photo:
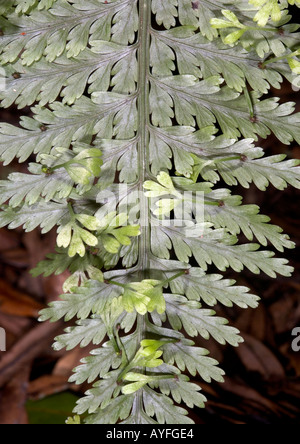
x=30 y=187
x=182 y=391
x=87 y=331
x=97 y=365
x=46 y=215
x=203 y=321
x=197 y=286
x=192 y=50
x=209 y=249
x=123 y=94
x=246 y=218
x=194 y=359
x=118 y=409
x=67 y=28
x=169 y=414
x=91 y=298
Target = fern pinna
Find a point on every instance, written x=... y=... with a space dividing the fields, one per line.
x=139 y=109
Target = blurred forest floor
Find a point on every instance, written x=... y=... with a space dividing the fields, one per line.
x=263 y=375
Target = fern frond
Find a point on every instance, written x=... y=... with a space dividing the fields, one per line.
x=81 y=122
x=85 y=332
x=213 y=247
x=201 y=58
x=25 y=5
x=67 y=28
x=30 y=187
x=139 y=110
x=212 y=289
x=69 y=77
x=46 y=215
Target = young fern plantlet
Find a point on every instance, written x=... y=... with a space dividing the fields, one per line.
x=139 y=109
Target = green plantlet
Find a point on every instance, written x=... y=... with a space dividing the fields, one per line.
x=139 y=109
x=269 y=8
x=82 y=165
x=74 y=420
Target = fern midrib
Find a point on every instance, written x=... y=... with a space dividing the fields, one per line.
x=143 y=112
x=143 y=155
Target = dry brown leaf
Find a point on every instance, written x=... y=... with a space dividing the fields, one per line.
x=293 y=357
x=47 y=385
x=254 y=322
x=18 y=257
x=258 y=358
x=8 y=240
x=14 y=395
x=17 y=303
x=245 y=392
x=27 y=349
x=285 y=314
